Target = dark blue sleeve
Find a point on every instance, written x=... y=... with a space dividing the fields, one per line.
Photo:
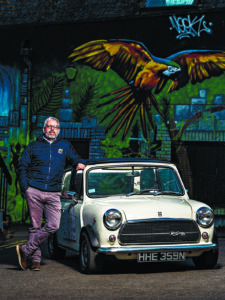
x=24 y=168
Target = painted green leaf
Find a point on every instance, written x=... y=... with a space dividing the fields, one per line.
x=49 y=99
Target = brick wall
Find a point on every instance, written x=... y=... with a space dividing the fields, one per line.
x=14 y=12
x=65 y=11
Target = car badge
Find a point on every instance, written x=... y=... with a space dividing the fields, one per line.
x=177 y=233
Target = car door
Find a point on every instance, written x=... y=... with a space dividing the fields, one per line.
x=71 y=202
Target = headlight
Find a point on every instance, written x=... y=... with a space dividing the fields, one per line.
x=112 y=219
x=205 y=217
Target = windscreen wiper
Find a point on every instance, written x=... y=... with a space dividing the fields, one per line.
x=167 y=193
x=142 y=192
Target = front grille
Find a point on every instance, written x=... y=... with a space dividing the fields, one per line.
x=159 y=232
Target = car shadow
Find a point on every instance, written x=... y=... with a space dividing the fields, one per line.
x=8 y=256
x=115 y=266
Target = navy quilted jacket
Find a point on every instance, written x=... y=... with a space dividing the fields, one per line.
x=42 y=164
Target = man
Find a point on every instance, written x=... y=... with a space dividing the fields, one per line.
x=40 y=174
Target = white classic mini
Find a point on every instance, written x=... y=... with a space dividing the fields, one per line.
x=132 y=209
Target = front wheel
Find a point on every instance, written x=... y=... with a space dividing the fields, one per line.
x=90 y=261
x=206 y=260
x=53 y=248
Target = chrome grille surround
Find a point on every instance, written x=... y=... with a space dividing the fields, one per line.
x=159 y=231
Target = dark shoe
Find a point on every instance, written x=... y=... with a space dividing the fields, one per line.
x=22 y=258
x=35 y=266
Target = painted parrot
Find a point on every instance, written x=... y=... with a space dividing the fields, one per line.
x=145 y=75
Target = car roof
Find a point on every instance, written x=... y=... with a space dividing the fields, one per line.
x=121 y=160
x=125 y=160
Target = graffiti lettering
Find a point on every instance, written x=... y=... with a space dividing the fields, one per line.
x=187 y=27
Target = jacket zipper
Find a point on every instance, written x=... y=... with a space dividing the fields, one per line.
x=50 y=162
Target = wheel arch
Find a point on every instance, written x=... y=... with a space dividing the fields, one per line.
x=215 y=236
x=92 y=236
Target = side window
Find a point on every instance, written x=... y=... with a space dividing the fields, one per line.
x=76 y=183
x=66 y=182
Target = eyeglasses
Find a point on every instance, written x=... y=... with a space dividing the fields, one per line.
x=52 y=126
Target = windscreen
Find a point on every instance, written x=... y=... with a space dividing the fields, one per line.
x=124 y=180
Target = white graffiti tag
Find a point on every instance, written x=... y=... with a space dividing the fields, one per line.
x=187 y=27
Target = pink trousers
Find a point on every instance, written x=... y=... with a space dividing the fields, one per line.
x=39 y=203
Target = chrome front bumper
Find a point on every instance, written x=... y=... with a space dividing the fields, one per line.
x=169 y=248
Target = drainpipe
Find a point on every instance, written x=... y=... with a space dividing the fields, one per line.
x=26 y=90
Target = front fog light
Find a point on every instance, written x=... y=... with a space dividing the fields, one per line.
x=205 y=217
x=112 y=219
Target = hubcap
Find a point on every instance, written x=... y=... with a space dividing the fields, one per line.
x=84 y=254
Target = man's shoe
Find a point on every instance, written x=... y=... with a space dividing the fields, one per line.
x=22 y=258
x=35 y=266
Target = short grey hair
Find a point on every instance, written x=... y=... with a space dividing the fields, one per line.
x=51 y=118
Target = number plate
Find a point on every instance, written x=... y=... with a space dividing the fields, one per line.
x=160 y=256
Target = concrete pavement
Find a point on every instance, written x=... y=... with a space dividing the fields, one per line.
x=16 y=234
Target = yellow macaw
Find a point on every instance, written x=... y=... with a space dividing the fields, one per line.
x=145 y=74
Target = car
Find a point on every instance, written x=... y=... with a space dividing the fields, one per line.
x=132 y=209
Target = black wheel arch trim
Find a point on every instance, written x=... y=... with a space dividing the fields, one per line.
x=92 y=236
x=215 y=236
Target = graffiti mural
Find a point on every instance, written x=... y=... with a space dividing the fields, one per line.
x=144 y=73
x=119 y=88
x=16 y=152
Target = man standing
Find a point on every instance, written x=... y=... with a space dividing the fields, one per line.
x=41 y=170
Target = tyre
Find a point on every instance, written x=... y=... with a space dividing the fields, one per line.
x=54 y=250
x=90 y=261
x=206 y=260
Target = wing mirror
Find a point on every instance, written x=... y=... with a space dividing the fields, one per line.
x=70 y=195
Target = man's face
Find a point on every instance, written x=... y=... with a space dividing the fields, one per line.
x=51 y=130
